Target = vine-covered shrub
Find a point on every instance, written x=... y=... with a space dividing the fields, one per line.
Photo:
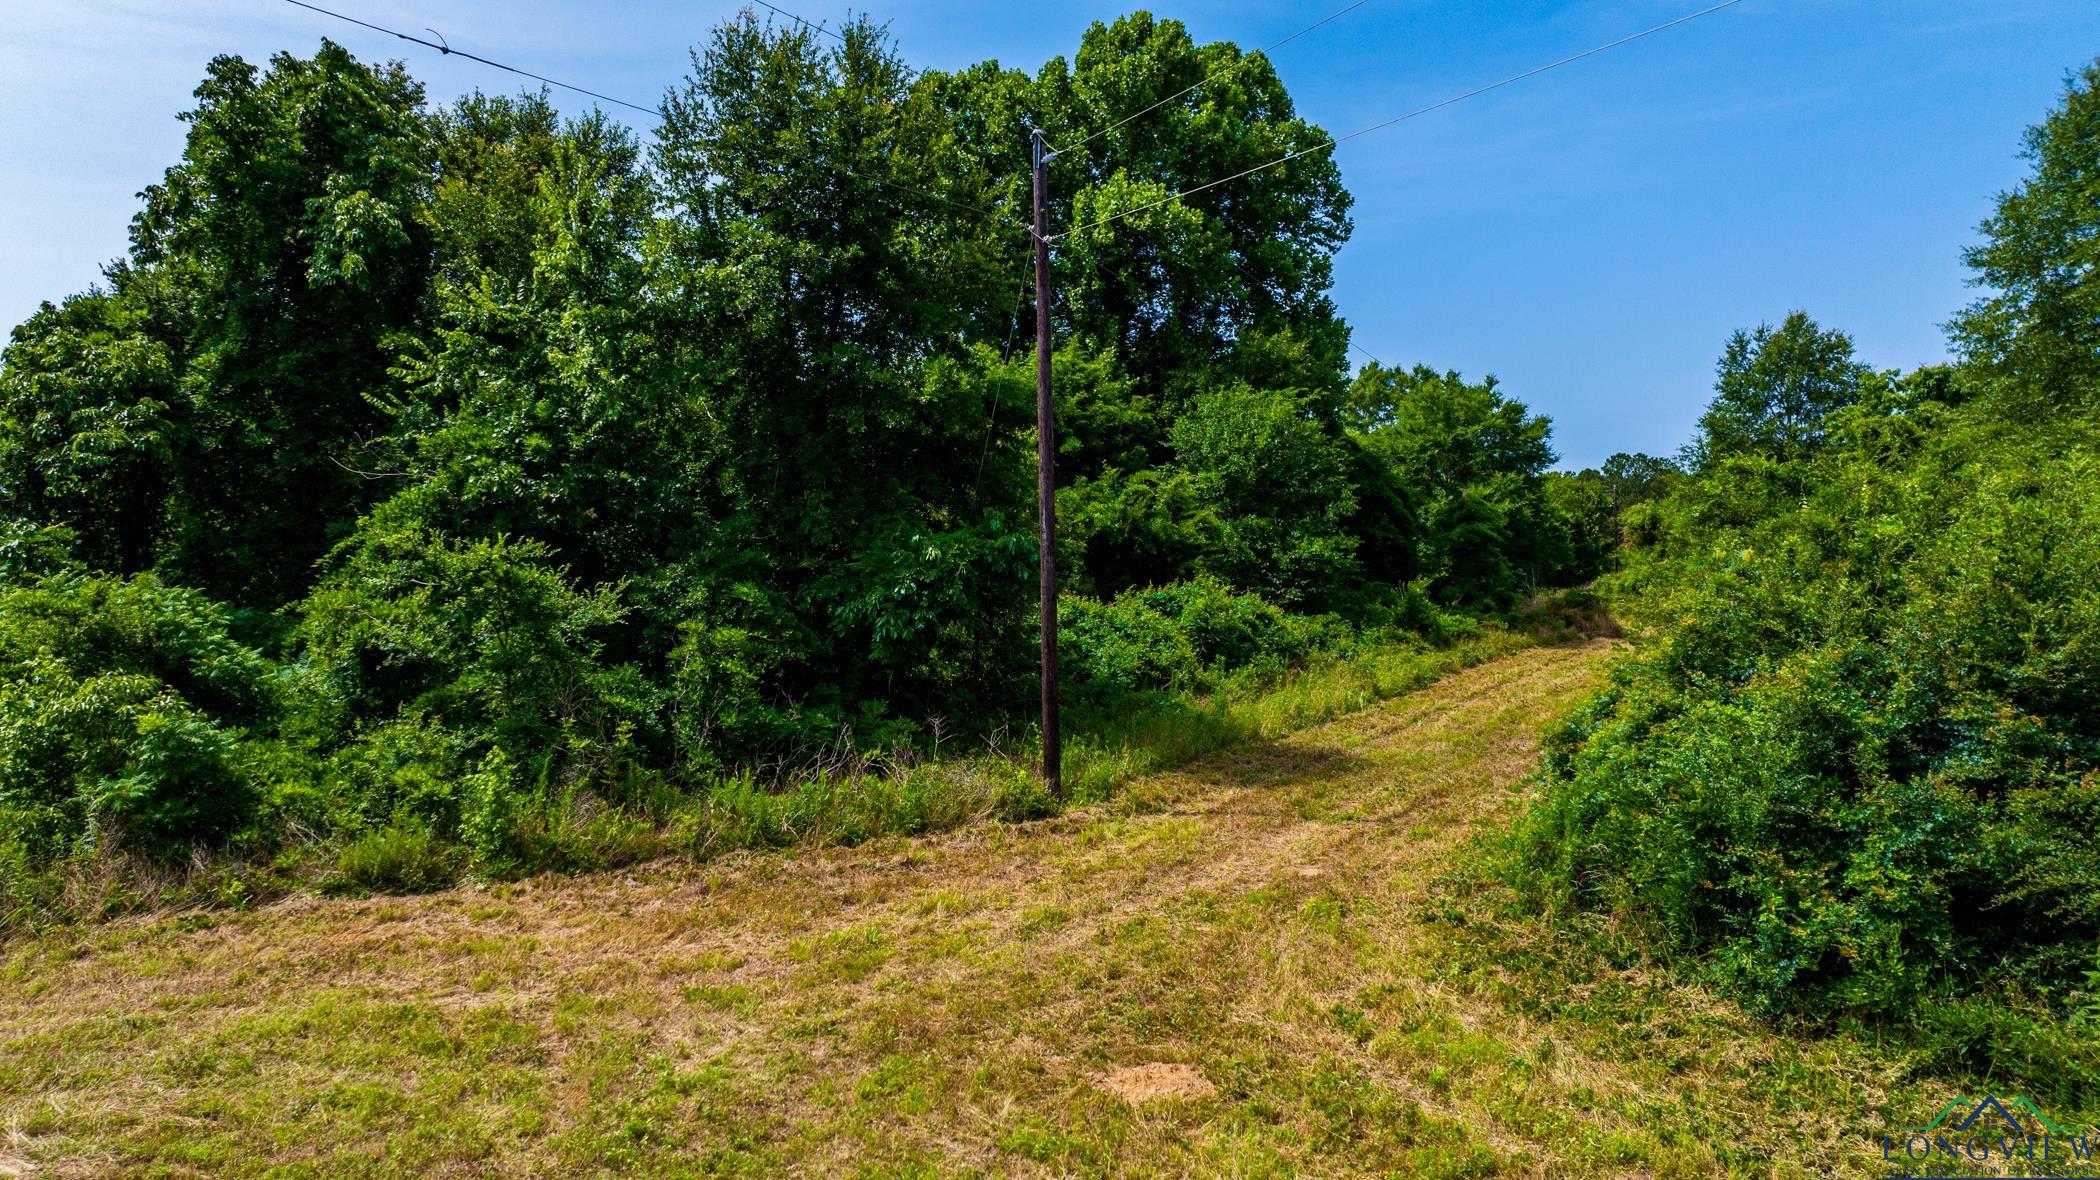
x=433 y=663
x=1863 y=756
x=1857 y=765
x=1859 y=762
x=125 y=709
x=1180 y=636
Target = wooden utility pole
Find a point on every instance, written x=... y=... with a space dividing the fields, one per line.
x=1046 y=473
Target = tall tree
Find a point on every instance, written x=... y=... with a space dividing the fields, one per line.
x=91 y=414
x=540 y=405
x=1476 y=460
x=1234 y=275
x=1774 y=390
x=290 y=241
x=491 y=153
x=2042 y=257
x=206 y=414
x=829 y=269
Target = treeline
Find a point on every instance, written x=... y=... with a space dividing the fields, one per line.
x=1856 y=768
x=419 y=468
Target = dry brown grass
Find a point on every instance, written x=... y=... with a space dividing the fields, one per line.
x=1277 y=929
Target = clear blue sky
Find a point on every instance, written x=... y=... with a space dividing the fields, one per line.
x=1590 y=236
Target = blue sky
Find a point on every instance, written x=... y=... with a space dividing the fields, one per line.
x=1590 y=236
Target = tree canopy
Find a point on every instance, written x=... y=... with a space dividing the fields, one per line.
x=535 y=462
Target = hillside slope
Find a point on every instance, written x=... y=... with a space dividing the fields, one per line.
x=1278 y=961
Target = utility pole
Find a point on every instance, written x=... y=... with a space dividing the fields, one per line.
x=1046 y=472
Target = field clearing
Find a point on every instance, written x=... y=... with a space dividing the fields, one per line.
x=1279 y=960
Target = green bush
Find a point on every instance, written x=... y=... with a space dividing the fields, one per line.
x=1181 y=636
x=1857 y=762
x=125 y=710
x=400 y=770
x=1857 y=765
x=488 y=640
x=29 y=551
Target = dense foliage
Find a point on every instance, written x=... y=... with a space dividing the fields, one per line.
x=125 y=710
x=421 y=470
x=1858 y=763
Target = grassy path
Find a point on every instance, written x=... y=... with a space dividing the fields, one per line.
x=1271 y=963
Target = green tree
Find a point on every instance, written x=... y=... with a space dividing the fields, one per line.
x=2042 y=258
x=1775 y=389
x=827 y=268
x=491 y=152
x=91 y=417
x=1635 y=478
x=1235 y=276
x=1596 y=503
x=1476 y=461
x=205 y=414
x=1278 y=481
x=1169 y=299
x=540 y=404
x=289 y=242
x=490 y=640
x=551 y=480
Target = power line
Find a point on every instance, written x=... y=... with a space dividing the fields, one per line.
x=448 y=51
x=910 y=74
x=1418 y=112
x=645 y=109
x=815 y=28
x=1234 y=68
x=1006 y=353
x=841 y=39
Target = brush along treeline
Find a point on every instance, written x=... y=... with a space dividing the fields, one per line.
x=1855 y=769
x=424 y=479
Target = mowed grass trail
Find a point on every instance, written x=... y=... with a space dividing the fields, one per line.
x=1279 y=961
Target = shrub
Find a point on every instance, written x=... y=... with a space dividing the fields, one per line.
x=426 y=653
x=124 y=715
x=1859 y=766
x=402 y=770
x=1858 y=763
x=30 y=551
x=1178 y=637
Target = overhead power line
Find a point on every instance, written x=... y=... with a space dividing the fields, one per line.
x=635 y=106
x=1228 y=71
x=448 y=51
x=812 y=27
x=910 y=74
x=1413 y=114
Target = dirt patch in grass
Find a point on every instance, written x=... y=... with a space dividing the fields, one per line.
x=1142 y=1083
